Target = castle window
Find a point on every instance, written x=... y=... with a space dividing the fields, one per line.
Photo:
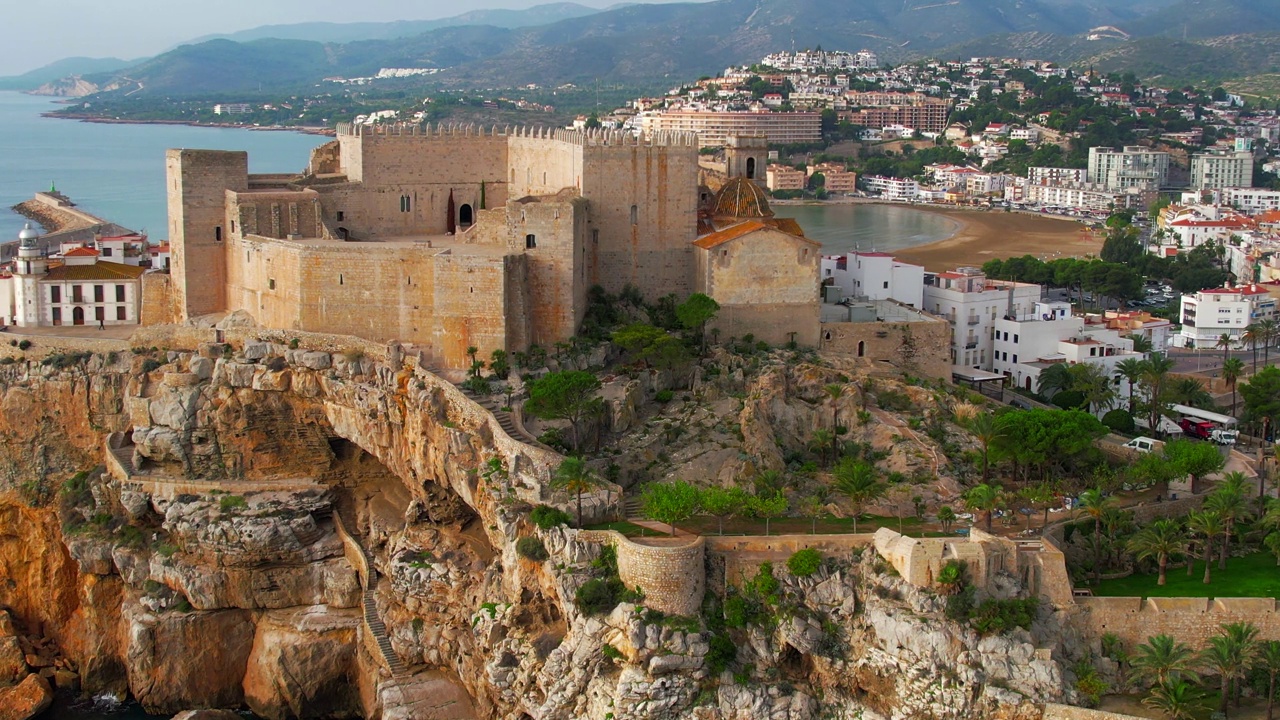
x=408 y=280
x=751 y=168
x=341 y=216
x=634 y=215
x=862 y=348
x=339 y=278
x=217 y=233
x=55 y=294
x=595 y=236
x=544 y=178
x=233 y=226
x=530 y=242
x=119 y=293
x=271 y=283
x=406 y=204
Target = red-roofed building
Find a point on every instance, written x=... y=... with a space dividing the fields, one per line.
x=1210 y=314
x=75 y=287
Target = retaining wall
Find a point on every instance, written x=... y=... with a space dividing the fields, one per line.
x=1190 y=620
x=671 y=572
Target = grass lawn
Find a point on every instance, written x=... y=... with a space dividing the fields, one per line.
x=707 y=525
x=624 y=527
x=1254 y=575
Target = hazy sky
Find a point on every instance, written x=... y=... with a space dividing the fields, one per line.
x=39 y=32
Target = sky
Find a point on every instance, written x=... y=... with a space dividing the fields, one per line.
x=38 y=33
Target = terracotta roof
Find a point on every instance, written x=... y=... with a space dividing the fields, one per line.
x=81 y=252
x=786 y=225
x=97 y=271
x=707 y=242
x=741 y=198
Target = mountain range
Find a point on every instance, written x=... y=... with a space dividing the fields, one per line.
x=655 y=45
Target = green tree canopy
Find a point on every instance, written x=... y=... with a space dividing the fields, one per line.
x=671 y=503
x=696 y=312
x=565 y=395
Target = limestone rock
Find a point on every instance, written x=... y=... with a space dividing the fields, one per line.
x=202 y=367
x=160 y=444
x=303 y=664
x=177 y=661
x=207 y=715
x=256 y=350
x=316 y=360
x=13 y=665
x=25 y=700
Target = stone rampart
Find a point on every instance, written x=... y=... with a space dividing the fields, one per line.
x=670 y=572
x=1190 y=620
x=737 y=558
x=157 y=299
x=883 y=342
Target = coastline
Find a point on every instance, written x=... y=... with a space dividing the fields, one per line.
x=300 y=129
x=985 y=235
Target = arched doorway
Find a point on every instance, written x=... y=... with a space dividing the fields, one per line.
x=751 y=168
x=465 y=216
x=862 y=348
x=77 y=316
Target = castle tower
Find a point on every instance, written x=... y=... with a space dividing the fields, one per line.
x=747 y=156
x=197 y=183
x=29 y=269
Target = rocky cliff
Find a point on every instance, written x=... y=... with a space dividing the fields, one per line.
x=327 y=535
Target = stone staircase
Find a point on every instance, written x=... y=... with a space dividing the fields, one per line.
x=505 y=421
x=369 y=603
x=633 y=507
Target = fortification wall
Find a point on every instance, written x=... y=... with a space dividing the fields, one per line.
x=659 y=180
x=197 y=182
x=883 y=342
x=275 y=214
x=470 y=305
x=672 y=574
x=543 y=163
x=557 y=288
x=1190 y=620
x=1054 y=711
x=736 y=559
x=157 y=299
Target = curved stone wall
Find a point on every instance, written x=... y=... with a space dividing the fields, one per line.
x=671 y=572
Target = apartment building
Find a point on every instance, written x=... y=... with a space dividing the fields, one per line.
x=872 y=276
x=784 y=177
x=1056 y=176
x=715 y=128
x=891 y=188
x=1251 y=200
x=1083 y=196
x=836 y=177
x=1209 y=314
x=928 y=117
x=1210 y=171
x=1134 y=167
x=1191 y=226
x=1024 y=346
x=972 y=304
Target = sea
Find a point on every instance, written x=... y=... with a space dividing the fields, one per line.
x=116 y=171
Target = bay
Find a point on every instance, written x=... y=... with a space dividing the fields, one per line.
x=116 y=171
x=868 y=227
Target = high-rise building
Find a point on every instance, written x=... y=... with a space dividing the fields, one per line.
x=1210 y=171
x=1134 y=167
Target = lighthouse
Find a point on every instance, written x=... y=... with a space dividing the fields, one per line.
x=29 y=269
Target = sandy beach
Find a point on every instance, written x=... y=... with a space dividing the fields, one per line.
x=991 y=235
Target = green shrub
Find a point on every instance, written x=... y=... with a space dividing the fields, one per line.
x=664 y=396
x=547 y=517
x=1119 y=420
x=595 y=597
x=611 y=652
x=227 y=503
x=997 y=616
x=294 y=343
x=531 y=548
x=723 y=651
x=804 y=563
x=1069 y=399
x=24 y=344
x=149 y=365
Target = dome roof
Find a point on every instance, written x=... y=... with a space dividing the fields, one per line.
x=28 y=233
x=741 y=198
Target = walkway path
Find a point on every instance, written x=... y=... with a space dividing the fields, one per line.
x=373 y=623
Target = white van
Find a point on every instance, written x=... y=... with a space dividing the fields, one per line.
x=1143 y=444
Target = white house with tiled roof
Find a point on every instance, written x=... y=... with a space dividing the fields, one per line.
x=74 y=287
x=1209 y=314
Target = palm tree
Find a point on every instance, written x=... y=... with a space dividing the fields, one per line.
x=1094 y=382
x=820 y=442
x=1130 y=369
x=946 y=516
x=1095 y=505
x=1154 y=376
x=1253 y=335
x=1162 y=660
x=1190 y=391
x=575 y=477
x=1177 y=700
x=1272 y=543
x=1268 y=333
x=1229 y=502
x=986 y=428
x=1207 y=525
x=1269 y=657
x=1229 y=655
x=983 y=498
x=1159 y=540
x=1141 y=343
x=1053 y=379
x=857 y=480
x=1224 y=342
x=1232 y=369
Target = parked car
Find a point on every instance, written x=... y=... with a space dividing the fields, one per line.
x=1143 y=444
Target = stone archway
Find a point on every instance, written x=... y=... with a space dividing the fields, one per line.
x=466 y=216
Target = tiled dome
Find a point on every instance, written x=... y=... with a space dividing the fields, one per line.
x=741 y=198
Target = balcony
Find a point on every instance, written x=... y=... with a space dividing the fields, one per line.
x=974 y=320
x=971 y=345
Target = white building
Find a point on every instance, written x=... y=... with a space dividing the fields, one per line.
x=1210 y=314
x=1133 y=167
x=874 y=276
x=1250 y=200
x=232 y=109
x=1024 y=346
x=1086 y=196
x=1221 y=170
x=1057 y=176
x=972 y=303
x=891 y=188
x=74 y=288
x=1191 y=226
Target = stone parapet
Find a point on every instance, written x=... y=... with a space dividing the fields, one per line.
x=671 y=572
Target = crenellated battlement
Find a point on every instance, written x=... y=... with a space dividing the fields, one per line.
x=600 y=137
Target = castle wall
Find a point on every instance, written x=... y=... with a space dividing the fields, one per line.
x=671 y=572
x=557 y=266
x=541 y=166
x=767 y=285
x=883 y=342
x=470 y=305
x=1190 y=620
x=197 y=181
x=660 y=181
x=423 y=167
x=157 y=294
x=277 y=214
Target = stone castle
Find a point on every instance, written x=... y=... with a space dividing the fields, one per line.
x=458 y=237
